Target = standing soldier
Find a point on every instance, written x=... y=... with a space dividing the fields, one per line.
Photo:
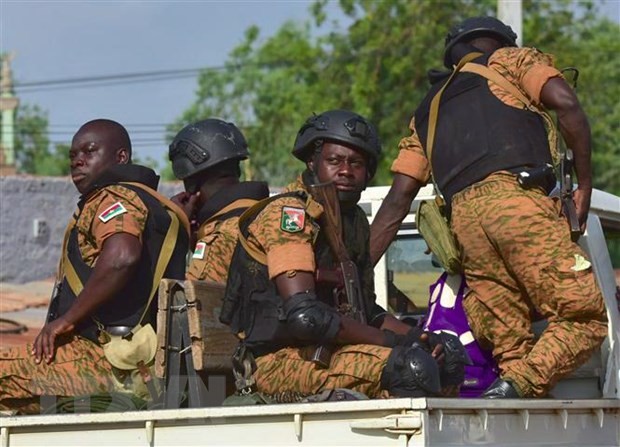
x=206 y=156
x=277 y=304
x=516 y=247
x=122 y=238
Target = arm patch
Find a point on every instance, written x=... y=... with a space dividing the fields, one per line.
x=111 y=212
x=293 y=219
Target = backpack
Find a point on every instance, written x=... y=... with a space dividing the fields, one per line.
x=446 y=314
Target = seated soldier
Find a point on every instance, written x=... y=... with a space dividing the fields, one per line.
x=282 y=314
x=206 y=156
x=108 y=273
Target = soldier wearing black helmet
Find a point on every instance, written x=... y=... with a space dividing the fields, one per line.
x=206 y=156
x=282 y=310
x=492 y=126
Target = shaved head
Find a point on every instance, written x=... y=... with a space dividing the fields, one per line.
x=96 y=146
x=114 y=133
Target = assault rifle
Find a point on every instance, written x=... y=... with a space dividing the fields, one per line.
x=566 y=178
x=566 y=194
x=351 y=302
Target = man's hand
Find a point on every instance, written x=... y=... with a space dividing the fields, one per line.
x=45 y=344
x=581 y=197
x=114 y=268
x=427 y=340
x=557 y=95
x=435 y=345
x=187 y=202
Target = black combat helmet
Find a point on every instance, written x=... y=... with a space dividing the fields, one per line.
x=204 y=144
x=339 y=126
x=478 y=26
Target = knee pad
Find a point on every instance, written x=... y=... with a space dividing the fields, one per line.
x=309 y=319
x=411 y=372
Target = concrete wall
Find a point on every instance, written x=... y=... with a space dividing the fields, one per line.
x=34 y=212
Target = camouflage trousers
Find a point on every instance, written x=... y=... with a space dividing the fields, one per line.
x=519 y=260
x=357 y=367
x=78 y=368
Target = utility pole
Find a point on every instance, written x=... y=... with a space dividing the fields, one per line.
x=510 y=12
x=8 y=105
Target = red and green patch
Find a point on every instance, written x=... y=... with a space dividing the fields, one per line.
x=199 y=252
x=293 y=219
x=111 y=212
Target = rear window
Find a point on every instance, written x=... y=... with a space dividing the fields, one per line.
x=612 y=237
x=410 y=273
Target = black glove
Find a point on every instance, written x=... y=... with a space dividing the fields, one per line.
x=393 y=339
x=452 y=369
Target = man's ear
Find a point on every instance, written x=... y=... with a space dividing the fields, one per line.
x=122 y=156
x=310 y=164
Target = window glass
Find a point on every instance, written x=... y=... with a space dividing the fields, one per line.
x=410 y=273
x=612 y=237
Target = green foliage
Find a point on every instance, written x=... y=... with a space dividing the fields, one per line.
x=166 y=172
x=32 y=146
x=589 y=43
x=377 y=66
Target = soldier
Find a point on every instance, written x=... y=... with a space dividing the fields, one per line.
x=107 y=273
x=515 y=245
x=206 y=156
x=282 y=313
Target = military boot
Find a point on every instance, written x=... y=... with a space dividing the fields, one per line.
x=501 y=389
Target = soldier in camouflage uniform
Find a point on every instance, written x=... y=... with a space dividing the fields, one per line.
x=109 y=246
x=206 y=156
x=516 y=246
x=278 y=305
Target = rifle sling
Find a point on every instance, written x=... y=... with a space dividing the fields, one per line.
x=166 y=202
x=312 y=207
x=434 y=109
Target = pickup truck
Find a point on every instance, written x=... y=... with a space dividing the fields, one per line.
x=584 y=409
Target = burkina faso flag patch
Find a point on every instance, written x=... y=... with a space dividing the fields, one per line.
x=112 y=211
x=293 y=219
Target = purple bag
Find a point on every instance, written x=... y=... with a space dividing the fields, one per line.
x=446 y=314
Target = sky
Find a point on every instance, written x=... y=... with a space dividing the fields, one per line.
x=70 y=39
x=55 y=40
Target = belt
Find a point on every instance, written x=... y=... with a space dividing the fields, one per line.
x=118 y=330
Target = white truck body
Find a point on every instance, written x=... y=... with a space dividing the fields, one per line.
x=585 y=410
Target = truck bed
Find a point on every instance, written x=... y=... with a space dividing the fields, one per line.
x=404 y=422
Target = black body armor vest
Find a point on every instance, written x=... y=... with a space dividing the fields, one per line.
x=252 y=304
x=226 y=196
x=477 y=134
x=127 y=306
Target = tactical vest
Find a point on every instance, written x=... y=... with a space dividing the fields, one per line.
x=231 y=201
x=477 y=134
x=252 y=305
x=126 y=307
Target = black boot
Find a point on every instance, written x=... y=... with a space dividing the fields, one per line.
x=501 y=389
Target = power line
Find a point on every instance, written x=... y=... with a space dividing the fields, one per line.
x=131 y=78
x=100 y=84
x=115 y=76
x=72 y=132
x=119 y=76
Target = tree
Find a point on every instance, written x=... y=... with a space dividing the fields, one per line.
x=267 y=90
x=377 y=67
x=582 y=39
x=32 y=145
